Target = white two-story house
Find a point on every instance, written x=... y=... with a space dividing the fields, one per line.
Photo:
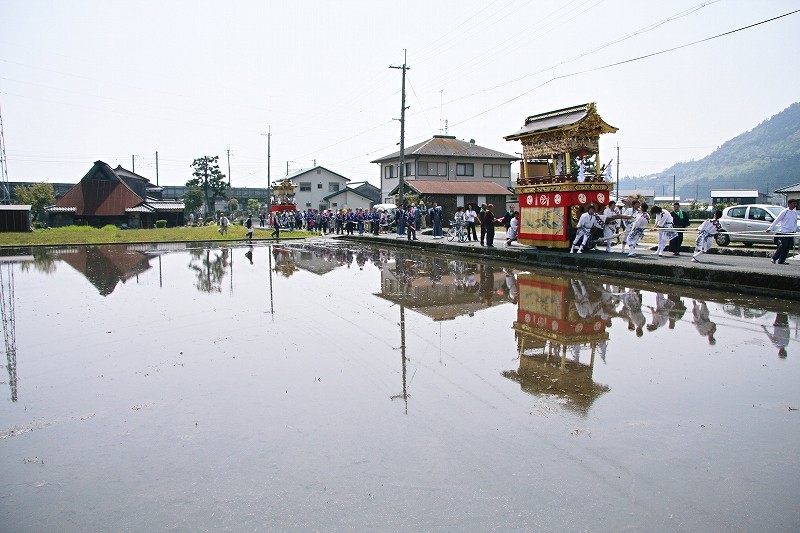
x=314 y=186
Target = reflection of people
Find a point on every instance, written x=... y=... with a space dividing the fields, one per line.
x=677 y=311
x=660 y=312
x=634 y=305
x=249 y=255
x=780 y=333
x=702 y=321
x=787 y=219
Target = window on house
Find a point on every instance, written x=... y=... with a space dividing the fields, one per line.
x=496 y=171
x=429 y=168
x=319 y=171
x=333 y=186
x=308 y=204
x=465 y=169
x=319 y=185
x=409 y=169
x=388 y=171
x=334 y=204
x=305 y=186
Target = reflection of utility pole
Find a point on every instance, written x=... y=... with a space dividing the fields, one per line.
x=404 y=395
x=271 y=307
x=9 y=326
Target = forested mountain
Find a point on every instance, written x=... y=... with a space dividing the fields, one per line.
x=765 y=158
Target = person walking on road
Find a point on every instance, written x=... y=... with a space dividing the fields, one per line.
x=489 y=222
x=436 y=220
x=787 y=219
x=705 y=234
x=249 y=225
x=469 y=217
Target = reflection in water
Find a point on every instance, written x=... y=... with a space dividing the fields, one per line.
x=557 y=317
x=780 y=333
x=9 y=325
x=105 y=266
x=210 y=267
x=701 y=319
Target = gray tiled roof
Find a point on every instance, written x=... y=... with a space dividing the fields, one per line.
x=448 y=146
x=789 y=189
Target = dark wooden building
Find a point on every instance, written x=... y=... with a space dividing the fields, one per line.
x=113 y=196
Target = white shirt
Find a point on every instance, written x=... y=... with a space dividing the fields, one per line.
x=663 y=219
x=788 y=221
x=469 y=215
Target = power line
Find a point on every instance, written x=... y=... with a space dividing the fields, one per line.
x=618 y=63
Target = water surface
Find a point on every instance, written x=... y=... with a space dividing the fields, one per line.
x=318 y=387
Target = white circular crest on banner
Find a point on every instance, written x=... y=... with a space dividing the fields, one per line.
x=529 y=200
x=597 y=326
x=543 y=199
x=527 y=318
x=578 y=328
x=557 y=199
x=554 y=326
x=582 y=198
x=601 y=198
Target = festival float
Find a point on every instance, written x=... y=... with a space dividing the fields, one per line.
x=552 y=192
x=284 y=196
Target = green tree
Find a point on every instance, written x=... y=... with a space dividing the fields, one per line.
x=233 y=205
x=253 y=205
x=38 y=196
x=192 y=200
x=209 y=179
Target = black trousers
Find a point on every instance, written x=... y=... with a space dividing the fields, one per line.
x=675 y=243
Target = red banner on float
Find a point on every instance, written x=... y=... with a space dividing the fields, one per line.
x=563 y=199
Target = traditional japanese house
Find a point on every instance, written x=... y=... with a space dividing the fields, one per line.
x=561 y=173
x=113 y=196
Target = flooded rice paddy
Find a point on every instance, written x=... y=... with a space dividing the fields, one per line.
x=316 y=387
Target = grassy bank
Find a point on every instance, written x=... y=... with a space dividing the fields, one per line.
x=112 y=234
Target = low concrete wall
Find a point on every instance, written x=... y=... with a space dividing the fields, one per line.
x=737 y=279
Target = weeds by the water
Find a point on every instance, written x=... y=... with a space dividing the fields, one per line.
x=113 y=234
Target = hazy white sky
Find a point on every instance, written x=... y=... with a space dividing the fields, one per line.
x=88 y=80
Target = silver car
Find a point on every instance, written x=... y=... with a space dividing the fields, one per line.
x=748 y=224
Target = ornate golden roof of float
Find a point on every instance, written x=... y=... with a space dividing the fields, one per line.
x=571 y=129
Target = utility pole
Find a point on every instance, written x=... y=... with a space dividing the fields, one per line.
x=159 y=257
x=133 y=164
x=5 y=193
x=229 y=165
x=400 y=192
x=268 y=135
x=673 y=189
x=617 y=172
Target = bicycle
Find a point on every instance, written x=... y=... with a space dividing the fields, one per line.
x=456 y=231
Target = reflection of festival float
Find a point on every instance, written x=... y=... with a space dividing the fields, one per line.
x=552 y=192
x=552 y=324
